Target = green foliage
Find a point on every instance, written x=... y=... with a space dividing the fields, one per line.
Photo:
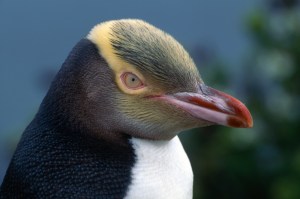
x=262 y=162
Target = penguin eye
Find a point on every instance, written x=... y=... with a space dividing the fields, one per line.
x=131 y=81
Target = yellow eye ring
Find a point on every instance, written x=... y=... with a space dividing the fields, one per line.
x=131 y=81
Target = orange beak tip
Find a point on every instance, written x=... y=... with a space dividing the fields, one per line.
x=236 y=122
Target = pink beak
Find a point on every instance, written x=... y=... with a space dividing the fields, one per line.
x=212 y=105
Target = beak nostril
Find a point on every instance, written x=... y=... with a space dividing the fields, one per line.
x=205 y=90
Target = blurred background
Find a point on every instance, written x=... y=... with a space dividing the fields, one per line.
x=250 y=49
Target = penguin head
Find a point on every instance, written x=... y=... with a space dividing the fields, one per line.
x=157 y=90
x=142 y=82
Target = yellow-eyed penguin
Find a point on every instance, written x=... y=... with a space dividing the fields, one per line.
x=108 y=125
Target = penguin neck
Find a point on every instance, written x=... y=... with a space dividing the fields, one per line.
x=78 y=98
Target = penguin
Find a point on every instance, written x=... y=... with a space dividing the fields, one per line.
x=108 y=125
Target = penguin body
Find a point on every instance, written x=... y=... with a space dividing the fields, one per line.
x=107 y=128
x=69 y=167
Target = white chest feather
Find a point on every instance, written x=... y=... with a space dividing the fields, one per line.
x=162 y=170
